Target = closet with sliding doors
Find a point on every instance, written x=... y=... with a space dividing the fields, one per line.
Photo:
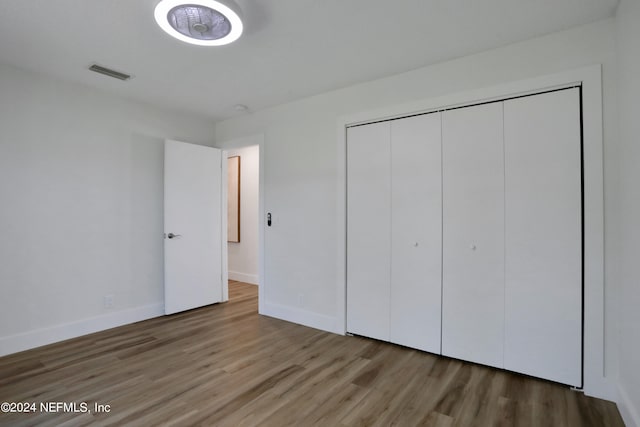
x=464 y=233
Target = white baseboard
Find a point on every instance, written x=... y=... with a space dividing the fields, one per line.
x=39 y=337
x=630 y=414
x=243 y=277
x=301 y=317
x=601 y=387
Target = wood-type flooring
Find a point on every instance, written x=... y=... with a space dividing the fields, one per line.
x=226 y=365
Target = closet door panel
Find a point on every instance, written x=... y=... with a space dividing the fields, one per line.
x=416 y=232
x=368 y=230
x=473 y=234
x=543 y=305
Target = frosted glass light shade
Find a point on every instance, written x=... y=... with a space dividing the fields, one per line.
x=200 y=22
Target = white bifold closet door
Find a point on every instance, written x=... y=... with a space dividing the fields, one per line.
x=473 y=234
x=394 y=214
x=543 y=229
x=416 y=232
x=368 y=230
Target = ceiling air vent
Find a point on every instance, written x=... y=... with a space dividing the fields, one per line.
x=109 y=72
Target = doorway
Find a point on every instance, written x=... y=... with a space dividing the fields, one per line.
x=244 y=186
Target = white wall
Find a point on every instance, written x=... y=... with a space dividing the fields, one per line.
x=627 y=210
x=81 y=217
x=302 y=170
x=243 y=256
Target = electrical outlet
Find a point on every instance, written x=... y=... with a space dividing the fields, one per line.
x=108 y=301
x=300 y=300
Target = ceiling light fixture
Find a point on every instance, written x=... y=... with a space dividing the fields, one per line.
x=200 y=22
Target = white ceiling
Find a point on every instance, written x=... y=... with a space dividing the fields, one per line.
x=290 y=49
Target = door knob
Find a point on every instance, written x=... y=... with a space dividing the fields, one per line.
x=172 y=236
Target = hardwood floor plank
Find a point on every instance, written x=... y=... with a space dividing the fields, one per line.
x=435 y=419
x=225 y=365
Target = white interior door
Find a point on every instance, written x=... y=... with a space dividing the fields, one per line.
x=473 y=234
x=193 y=226
x=416 y=232
x=369 y=230
x=543 y=291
